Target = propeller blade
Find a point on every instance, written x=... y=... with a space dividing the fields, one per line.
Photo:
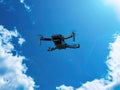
x=39 y=41
x=73 y=35
x=40 y=36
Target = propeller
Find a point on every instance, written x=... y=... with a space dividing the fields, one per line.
x=40 y=38
x=73 y=35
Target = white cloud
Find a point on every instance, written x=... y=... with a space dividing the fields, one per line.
x=115 y=4
x=112 y=79
x=63 y=87
x=12 y=69
x=25 y=5
x=22 y=1
x=21 y=41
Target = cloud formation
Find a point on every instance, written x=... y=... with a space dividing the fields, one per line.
x=112 y=79
x=115 y=4
x=12 y=69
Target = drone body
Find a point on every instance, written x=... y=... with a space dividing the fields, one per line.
x=59 y=41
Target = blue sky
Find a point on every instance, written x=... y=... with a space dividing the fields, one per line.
x=94 y=22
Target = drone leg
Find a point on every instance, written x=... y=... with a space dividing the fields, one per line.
x=51 y=49
x=73 y=46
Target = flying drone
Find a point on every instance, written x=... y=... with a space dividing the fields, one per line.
x=59 y=41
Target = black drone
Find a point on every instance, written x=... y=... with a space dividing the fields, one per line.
x=59 y=41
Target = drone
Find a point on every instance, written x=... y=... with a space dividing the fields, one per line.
x=59 y=41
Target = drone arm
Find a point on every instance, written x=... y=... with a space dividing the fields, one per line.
x=68 y=37
x=74 y=46
x=71 y=36
x=45 y=39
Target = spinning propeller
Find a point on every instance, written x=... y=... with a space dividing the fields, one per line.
x=40 y=38
x=73 y=36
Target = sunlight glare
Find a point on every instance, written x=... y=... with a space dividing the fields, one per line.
x=115 y=5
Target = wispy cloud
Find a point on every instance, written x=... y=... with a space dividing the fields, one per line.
x=112 y=79
x=25 y=5
x=11 y=7
x=12 y=70
x=115 y=4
